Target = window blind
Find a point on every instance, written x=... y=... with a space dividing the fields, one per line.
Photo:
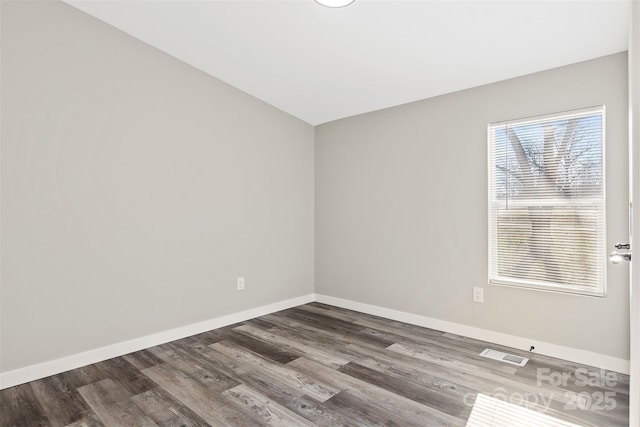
x=547 y=202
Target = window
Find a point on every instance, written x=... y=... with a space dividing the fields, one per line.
x=547 y=202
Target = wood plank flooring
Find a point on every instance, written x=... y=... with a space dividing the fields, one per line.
x=318 y=365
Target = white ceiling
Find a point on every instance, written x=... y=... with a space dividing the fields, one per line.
x=321 y=64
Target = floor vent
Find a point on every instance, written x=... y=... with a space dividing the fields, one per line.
x=504 y=357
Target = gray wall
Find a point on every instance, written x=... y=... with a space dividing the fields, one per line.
x=401 y=208
x=135 y=189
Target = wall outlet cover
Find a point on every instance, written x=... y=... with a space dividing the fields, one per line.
x=478 y=294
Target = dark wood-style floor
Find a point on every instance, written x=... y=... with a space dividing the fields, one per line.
x=320 y=365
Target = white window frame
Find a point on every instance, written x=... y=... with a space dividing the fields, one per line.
x=495 y=279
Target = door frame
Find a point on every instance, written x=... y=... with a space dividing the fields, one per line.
x=634 y=212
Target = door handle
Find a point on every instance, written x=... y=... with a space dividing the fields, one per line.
x=617 y=257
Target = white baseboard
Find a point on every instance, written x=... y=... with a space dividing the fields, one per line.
x=42 y=370
x=567 y=353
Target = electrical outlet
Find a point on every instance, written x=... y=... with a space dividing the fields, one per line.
x=240 y=283
x=478 y=294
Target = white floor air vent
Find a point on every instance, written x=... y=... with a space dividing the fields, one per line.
x=504 y=357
